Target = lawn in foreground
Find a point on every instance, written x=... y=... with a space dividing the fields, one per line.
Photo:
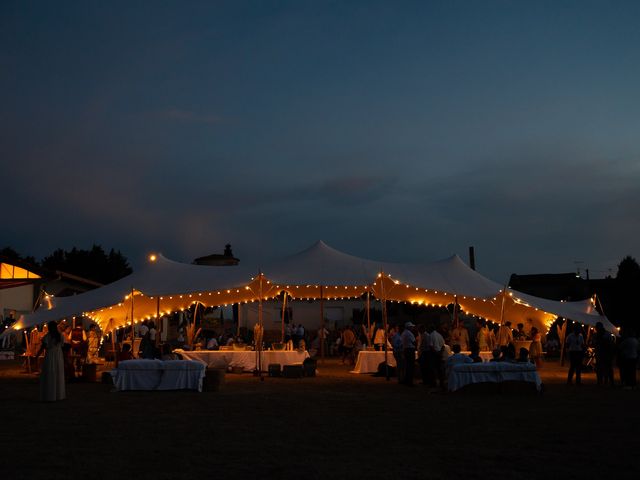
x=335 y=425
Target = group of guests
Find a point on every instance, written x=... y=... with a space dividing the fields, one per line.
x=438 y=350
x=79 y=346
x=606 y=350
x=295 y=333
x=433 y=353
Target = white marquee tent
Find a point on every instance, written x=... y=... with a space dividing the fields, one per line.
x=164 y=286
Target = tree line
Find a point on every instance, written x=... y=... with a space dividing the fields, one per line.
x=93 y=264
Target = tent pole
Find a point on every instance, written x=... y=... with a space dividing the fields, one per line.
x=159 y=329
x=284 y=307
x=322 y=334
x=599 y=304
x=456 y=319
x=38 y=300
x=192 y=328
x=133 y=332
x=258 y=341
x=238 y=324
x=383 y=301
x=369 y=318
x=113 y=346
x=504 y=297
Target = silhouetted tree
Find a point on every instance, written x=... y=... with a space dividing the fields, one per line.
x=627 y=290
x=93 y=264
x=628 y=270
x=10 y=253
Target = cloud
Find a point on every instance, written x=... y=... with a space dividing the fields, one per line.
x=188 y=116
x=541 y=211
x=355 y=190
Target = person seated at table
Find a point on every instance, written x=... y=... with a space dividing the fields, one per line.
x=125 y=354
x=167 y=354
x=475 y=355
x=457 y=357
x=496 y=355
x=212 y=343
x=523 y=356
x=508 y=353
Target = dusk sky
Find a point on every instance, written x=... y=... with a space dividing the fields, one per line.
x=398 y=131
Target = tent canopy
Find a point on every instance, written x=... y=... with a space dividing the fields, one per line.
x=162 y=286
x=175 y=285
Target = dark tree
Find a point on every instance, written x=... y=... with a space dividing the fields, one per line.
x=93 y=264
x=10 y=253
x=622 y=309
x=628 y=270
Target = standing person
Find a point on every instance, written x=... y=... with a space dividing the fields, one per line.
x=409 y=353
x=52 y=386
x=423 y=355
x=147 y=348
x=604 y=349
x=69 y=368
x=79 y=346
x=437 y=356
x=398 y=354
x=323 y=334
x=628 y=359
x=94 y=344
x=482 y=337
x=348 y=343
x=288 y=335
x=153 y=332
x=575 y=347
x=460 y=336
x=505 y=335
x=491 y=335
x=535 y=348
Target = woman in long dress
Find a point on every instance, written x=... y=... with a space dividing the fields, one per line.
x=52 y=386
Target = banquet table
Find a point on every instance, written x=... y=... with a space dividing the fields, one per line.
x=243 y=358
x=158 y=375
x=368 y=361
x=492 y=372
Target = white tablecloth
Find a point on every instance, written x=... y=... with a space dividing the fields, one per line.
x=245 y=359
x=158 y=375
x=368 y=361
x=494 y=372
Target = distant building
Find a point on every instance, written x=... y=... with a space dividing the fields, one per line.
x=22 y=286
x=218 y=260
x=554 y=286
x=572 y=287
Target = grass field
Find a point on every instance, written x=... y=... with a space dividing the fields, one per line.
x=336 y=425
